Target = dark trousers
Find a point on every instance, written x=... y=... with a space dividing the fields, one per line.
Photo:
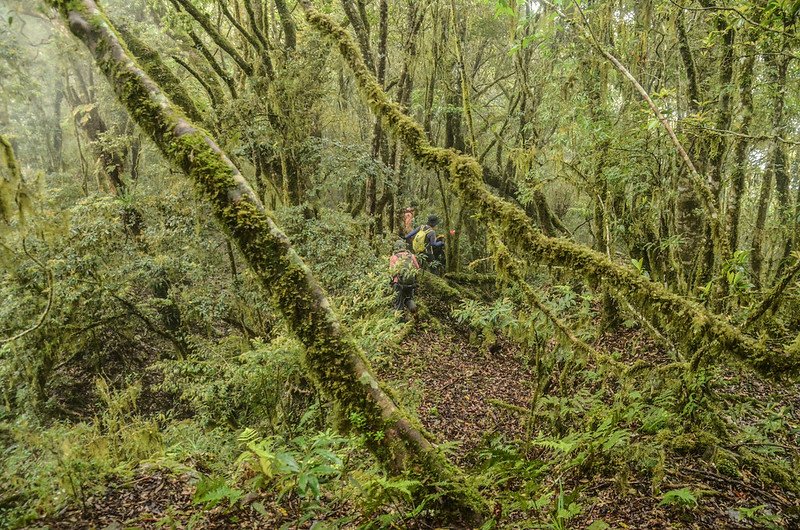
x=403 y=295
x=433 y=259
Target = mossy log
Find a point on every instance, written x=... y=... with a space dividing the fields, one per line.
x=332 y=358
x=683 y=319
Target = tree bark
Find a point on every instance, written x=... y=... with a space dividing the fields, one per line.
x=776 y=168
x=289 y=31
x=740 y=152
x=333 y=359
x=684 y=320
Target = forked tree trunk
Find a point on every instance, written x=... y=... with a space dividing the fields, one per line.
x=331 y=356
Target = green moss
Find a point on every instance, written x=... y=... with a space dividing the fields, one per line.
x=696 y=443
x=726 y=464
x=684 y=320
x=332 y=358
x=771 y=470
x=154 y=65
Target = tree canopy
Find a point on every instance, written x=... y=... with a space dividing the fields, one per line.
x=607 y=305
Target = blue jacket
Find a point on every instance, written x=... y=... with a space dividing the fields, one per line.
x=430 y=240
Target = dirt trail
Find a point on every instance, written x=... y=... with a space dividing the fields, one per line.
x=457 y=382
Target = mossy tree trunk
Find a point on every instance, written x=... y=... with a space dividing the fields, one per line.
x=684 y=320
x=776 y=169
x=87 y=117
x=331 y=356
x=740 y=151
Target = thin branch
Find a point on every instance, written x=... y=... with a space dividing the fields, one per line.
x=760 y=137
x=214 y=100
x=730 y=9
x=774 y=295
x=43 y=316
x=215 y=35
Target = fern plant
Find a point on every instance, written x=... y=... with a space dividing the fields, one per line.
x=303 y=465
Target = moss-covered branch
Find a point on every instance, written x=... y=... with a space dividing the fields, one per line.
x=332 y=358
x=11 y=190
x=154 y=65
x=511 y=269
x=682 y=319
x=774 y=295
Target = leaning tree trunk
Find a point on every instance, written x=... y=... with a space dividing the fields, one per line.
x=331 y=356
x=684 y=320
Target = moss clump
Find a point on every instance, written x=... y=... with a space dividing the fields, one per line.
x=684 y=320
x=332 y=358
x=727 y=464
x=693 y=443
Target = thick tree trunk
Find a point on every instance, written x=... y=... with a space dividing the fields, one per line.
x=289 y=31
x=378 y=138
x=718 y=146
x=776 y=168
x=740 y=152
x=684 y=320
x=332 y=357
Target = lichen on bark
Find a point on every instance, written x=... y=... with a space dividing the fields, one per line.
x=332 y=358
x=684 y=320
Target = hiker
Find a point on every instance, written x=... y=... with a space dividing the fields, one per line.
x=403 y=267
x=427 y=246
x=408 y=219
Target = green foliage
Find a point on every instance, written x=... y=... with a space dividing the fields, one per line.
x=211 y=491
x=681 y=498
x=736 y=274
x=304 y=465
x=44 y=468
x=234 y=383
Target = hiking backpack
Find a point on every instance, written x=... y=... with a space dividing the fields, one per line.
x=420 y=239
x=404 y=269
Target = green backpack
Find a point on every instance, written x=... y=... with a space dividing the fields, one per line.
x=404 y=271
x=420 y=239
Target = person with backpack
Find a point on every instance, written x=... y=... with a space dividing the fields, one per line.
x=403 y=267
x=426 y=245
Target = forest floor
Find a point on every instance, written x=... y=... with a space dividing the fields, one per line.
x=462 y=385
x=468 y=393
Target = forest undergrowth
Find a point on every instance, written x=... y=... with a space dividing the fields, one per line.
x=198 y=201
x=234 y=434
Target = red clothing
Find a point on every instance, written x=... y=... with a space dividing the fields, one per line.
x=408 y=220
x=395 y=259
